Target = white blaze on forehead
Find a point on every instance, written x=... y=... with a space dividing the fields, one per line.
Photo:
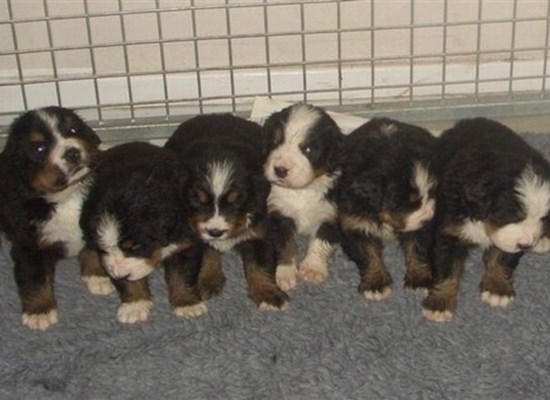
x=300 y=121
x=219 y=177
x=423 y=180
x=108 y=232
x=534 y=194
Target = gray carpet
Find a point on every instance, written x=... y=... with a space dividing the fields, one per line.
x=330 y=344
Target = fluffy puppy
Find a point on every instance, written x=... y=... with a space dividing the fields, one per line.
x=302 y=143
x=386 y=191
x=44 y=177
x=227 y=195
x=494 y=193
x=133 y=221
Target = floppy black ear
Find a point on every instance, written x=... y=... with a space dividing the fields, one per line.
x=479 y=194
x=364 y=190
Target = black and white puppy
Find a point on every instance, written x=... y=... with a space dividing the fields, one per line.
x=134 y=221
x=44 y=177
x=494 y=193
x=386 y=191
x=227 y=195
x=302 y=143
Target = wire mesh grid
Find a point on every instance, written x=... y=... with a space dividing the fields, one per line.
x=130 y=64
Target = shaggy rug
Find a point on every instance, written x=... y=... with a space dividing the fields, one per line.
x=330 y=344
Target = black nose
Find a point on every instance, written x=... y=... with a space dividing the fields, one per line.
x=215 y=232
x=281 y=172
x=72 y=155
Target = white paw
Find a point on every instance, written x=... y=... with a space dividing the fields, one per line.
x=495 y=300
x=196 y=310
x=437 y=316
x=270 y=307
x=313 y=273
x=98 y=285
x=286 y=276
x=136 y=311
x=377 y=296
x=40 y=321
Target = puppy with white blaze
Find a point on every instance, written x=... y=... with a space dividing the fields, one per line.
x=134 y=221
x=302 y=143
x=226 y=195
x=386 y=191
x=494 y=193
x=45 y=172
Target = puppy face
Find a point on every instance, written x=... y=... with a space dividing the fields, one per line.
x=54 y=148
x=222 y=197
x=301 y=142
x=517 y=220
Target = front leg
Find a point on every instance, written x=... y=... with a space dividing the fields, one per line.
x=449 y=255
x=181 y=271
x=314 y=267
x=260 y=268
x=93 y=274
x=497 y=284
x=415 y=246
x=282 y=231
x=211 y=277
x=135 y=298
x=366 y=253
x=34 y=272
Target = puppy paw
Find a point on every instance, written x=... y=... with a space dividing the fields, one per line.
x=418 y=283
x=192 y=311
x=437 y=316
x=271 y=307
x=495 y=300
x=377 y=295
x=286 y=276
x=437 y=309
x=313 y=273
x=98 y=285
x=134 y=312
x=40 y=322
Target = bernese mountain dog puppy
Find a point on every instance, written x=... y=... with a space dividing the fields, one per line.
x=44 y=177
x=227 y=193
x=134 y=221
x=387 y=190
x=302 y=143
x=494 y=193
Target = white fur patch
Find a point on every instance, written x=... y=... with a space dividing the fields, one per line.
x=288 y=155
x=134 y=312
x=40 y=322
x=377 y=296
x=286 y=276
x=495 y=300
x=117 y=264
x=533 y=194
x=424 y=182
x=98 y=285
x=63 y=225
x=307 y=206
x=225 y=245
x=314 y=267
x=193 y=311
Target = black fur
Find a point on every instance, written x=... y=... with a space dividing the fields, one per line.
x=223 y=139
x=480 y=161
x=25 y=206
x=375 y=195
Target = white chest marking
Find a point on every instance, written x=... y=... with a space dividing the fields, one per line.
x=63 y=225
x=307 y=206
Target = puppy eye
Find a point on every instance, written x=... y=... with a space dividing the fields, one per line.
x=414 y=198
x=232 y=196
x=72 y=131
x=40 y=149
x=202 y=197
x=307 y=150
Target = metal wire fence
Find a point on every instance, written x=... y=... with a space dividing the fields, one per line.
x=134 y=67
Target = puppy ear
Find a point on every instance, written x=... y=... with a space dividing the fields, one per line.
x=366 y=187
x=479 y=194
x=261 y=189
